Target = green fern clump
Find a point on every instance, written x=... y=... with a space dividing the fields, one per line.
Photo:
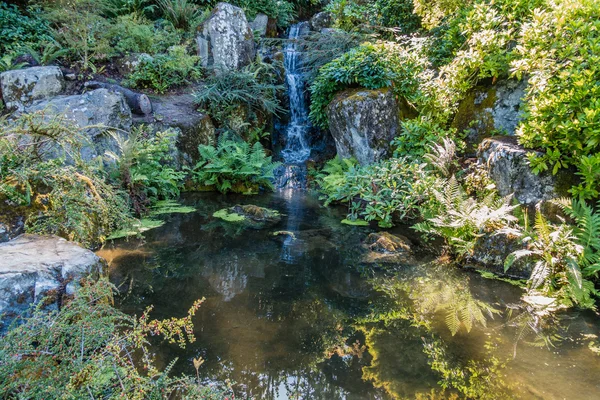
x=234 y=166
x=558 y=256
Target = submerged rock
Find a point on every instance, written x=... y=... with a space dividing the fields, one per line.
x=492 y=249
x=95 y=113
x=363 y=123
x=489 y=110
x=22 y=87
x=251 y=216
x=225 y=40
x=387 y=249
x=33 y=267
x=508 y=166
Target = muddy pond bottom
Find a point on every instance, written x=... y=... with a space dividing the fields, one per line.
x=312 y=314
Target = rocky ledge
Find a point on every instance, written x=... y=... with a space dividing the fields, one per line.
x=33 y=267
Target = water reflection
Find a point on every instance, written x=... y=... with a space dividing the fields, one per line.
x=309 y=318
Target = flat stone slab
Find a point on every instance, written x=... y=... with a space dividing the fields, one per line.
x=32 y=266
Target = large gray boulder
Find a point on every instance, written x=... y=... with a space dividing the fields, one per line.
x=489 y=110
x=32 y=267
x=225 y=40
x=22 y=87
x=95 y=113
x=260 y=24
x=320 y=21
x=363 y=123
x=508 y=166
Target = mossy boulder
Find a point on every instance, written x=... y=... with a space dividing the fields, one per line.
x=364 y=122
x=250 y=216
x=490 y=110
x=492 y=249
x=20 y=88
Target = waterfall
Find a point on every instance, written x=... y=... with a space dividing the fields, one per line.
x=296 y=148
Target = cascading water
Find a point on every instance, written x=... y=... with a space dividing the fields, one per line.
x=296 y=150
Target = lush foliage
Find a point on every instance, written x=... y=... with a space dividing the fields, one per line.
x=144 y=166
x=234 y=166
x=560 y=52
x=18 y=30
x=240 y=100
x=389 y=16
x=165 y=71
x=371 y=66
x=132 y=33
x=86 y=350
x=384 y=192
x=42 y=172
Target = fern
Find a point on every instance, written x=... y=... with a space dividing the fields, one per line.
x=234 y=166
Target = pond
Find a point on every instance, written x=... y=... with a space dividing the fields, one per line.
x=314 y=316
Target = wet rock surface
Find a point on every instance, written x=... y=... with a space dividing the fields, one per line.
x=363 y=123
x=33 y=266
x=225 y=40
x=20 y=88
x=492 y=249
x=386 y=249
x=250 y=216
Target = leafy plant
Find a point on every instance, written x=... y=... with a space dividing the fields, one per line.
x=556 y=271
x=47 y=53
x=180 y=13
x=134 y=34
x=143 y=166
x=234 y=166
x=385 y=16
x=371 y=66
x=461 y=219
x=166 y=71
x=85 y=350
x=387 y=191
x=7 y=63
x=18 y=29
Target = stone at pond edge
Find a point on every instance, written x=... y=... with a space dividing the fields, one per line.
x=225 y=40
x=249 y=215
x=508 y=166
x=321 y=21
x=21 y=87
x=492 y=249
x=364 y=122
x=33 y=266
x=385 y=249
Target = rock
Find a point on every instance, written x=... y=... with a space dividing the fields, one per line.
x=11 y=227
x=321 y=20
x=387 y=249
x=509 y=168
x=21 y=87
x=180 y=113
x=251 y=216
x=127 y=64
x=487 y=110
x=260 y=24
x=363 y=123
x=492 y=249
x=94 y=112
x=35 y=266
x=225 y=40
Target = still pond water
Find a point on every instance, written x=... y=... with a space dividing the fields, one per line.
x=316 y=317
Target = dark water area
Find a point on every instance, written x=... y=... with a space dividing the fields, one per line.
x=316 y=316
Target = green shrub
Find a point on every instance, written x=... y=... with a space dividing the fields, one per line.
x=114 y=8
x=18 y=29
x=377 y=14
x=416 y=135
x=180 y=13
x=234 y=166
x=166 y=71
x=371 y=66
x=249 y=94
x=144 y=167
x=560 y=52
x=282 y=11
x=42 y=175
x=84 y=351
x=133 y=34
x=387 y=191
